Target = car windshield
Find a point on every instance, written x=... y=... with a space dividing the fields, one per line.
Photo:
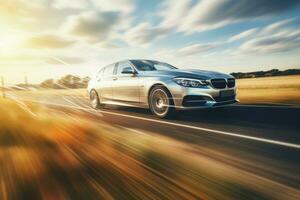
x=150 y=65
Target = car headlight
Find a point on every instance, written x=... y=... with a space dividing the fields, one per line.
x=188 y=82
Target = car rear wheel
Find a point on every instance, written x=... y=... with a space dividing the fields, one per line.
x=94 y=98
x=161 y=102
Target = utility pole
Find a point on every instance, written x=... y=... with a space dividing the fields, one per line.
x=2 y=87
x=26 y=80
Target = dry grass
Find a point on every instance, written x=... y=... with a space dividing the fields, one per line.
x=281 y=89
x=49 y=155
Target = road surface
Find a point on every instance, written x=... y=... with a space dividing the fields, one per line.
x=260 y=139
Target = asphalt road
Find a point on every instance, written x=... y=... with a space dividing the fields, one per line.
x=260 y=139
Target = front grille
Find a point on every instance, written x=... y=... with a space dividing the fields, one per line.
x=220 y=99
x=218 y=83
x=222 y=83
x=230 y=82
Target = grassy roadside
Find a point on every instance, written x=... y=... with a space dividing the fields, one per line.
x=281 y=90
x=45 y=154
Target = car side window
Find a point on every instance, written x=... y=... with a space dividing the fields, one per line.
x=109 y=70
x=122 y=66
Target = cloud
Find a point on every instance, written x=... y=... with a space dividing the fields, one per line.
x=210 y=14
x=273 y=44
x=197 y=49
x=65 y=60
x=122 y=6
x=92 y=25
x=47 y=41
x=77 y=4
x=14 y=12
x=277 y=37
x=280 y=37
x=143 y=34
x=279 y=25
x=107 y=45
x=173 y=12
x=20 y=8
x=195 y=16
x=19 y=57
x=243 y=35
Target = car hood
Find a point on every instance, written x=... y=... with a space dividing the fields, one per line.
x=188 y=73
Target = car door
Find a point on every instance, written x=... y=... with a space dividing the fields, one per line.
x=126 y=85
x=105 y=83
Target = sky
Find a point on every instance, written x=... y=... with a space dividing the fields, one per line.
x=50 y=38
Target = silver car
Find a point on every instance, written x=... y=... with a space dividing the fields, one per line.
x=160 y=86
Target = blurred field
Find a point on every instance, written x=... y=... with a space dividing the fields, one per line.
x=274 y=90
x=280 y=89
x=48 y=154
x=50 y=92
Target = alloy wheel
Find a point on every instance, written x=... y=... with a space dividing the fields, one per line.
x=159 y=101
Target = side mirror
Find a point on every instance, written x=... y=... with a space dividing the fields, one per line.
x=128 y=70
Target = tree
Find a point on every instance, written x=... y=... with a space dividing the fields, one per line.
x=49 y=83
x=70 y=81
x=85 y=81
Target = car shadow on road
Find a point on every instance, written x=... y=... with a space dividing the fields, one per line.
x=247 y=115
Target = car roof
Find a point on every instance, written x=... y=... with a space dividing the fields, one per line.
x=143 y=60
x=127 y=60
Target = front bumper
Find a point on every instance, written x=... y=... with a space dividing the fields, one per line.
x=207 y=97
x=209 y=104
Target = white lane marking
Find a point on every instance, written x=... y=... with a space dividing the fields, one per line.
x=266 y=106
x=270 y=141
x=134 y=130
x=21 y=104
x=83 y=108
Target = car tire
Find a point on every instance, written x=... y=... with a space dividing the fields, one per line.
x=94 y=98
x=161 y=103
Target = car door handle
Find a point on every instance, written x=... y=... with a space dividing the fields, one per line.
x=115 y=78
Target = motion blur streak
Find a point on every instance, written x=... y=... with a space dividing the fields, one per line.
x=65 y=155
x=75 y=106
x=84 y=107
x=21 y=104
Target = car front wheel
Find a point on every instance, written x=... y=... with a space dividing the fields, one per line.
x=161 y=102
